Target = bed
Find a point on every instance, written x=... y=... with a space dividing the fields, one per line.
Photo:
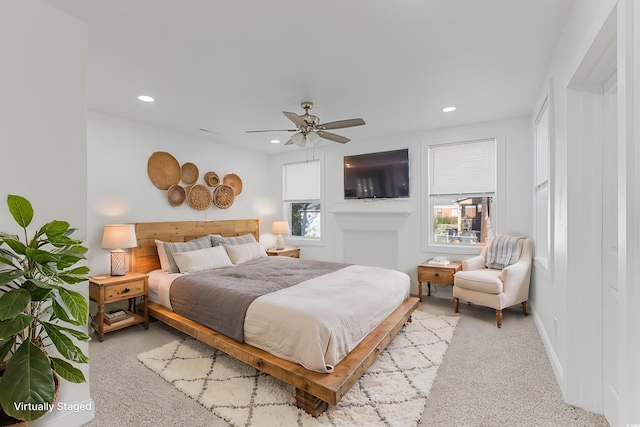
x=322 y=382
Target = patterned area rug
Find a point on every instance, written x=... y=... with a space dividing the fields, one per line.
x=393 y=391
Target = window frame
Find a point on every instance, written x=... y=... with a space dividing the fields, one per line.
x=543 y=257
x=286 y=207
x=499 y=136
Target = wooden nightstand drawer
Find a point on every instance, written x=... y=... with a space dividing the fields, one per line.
x=124 y=290
x=291 y=252
x=437 y=275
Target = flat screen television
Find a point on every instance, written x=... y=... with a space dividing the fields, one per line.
x=383 y=175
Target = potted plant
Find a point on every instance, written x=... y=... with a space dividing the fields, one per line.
x=37 y=310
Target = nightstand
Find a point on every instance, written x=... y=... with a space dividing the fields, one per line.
x=289 y=251
x=441 y=274
x=108 y=289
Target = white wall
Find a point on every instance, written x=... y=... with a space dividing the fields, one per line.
x=515 y=170
x=43 y=136
x=120 y=191
x=571 y=289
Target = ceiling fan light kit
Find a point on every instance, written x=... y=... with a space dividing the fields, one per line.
x=310 y=130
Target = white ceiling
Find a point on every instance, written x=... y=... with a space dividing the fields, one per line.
x=232 y=66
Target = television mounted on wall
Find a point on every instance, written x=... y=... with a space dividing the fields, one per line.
x=382 y=175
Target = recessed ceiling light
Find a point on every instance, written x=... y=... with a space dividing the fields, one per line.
x=275 y=141
x=146 y=98
x=448 y=109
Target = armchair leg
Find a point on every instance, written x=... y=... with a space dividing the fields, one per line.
x=456 y=301
x=524 y=308
x=499 y=318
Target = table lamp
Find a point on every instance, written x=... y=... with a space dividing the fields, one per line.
x=117 y=237
x=280 y=228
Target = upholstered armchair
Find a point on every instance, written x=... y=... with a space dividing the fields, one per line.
x=494 y=287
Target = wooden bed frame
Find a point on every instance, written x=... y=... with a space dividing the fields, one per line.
x=314 y=390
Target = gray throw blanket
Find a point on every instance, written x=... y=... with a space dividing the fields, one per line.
x=502 y=251
x=219 y=299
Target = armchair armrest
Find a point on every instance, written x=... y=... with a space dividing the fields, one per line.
x=475 y=263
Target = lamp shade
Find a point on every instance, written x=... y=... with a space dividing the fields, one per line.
x=280 y=227
x=118 y=236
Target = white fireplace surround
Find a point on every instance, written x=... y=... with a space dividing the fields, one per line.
x=371 y=232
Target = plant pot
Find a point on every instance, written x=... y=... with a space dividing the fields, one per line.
x=8 y=421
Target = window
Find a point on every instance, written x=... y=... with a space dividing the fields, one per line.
x=462 y=188
x=542 y=185
x=301 y=196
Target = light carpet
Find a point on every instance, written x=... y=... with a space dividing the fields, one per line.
x=393 y=391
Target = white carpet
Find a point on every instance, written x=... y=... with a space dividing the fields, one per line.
x=393 y=391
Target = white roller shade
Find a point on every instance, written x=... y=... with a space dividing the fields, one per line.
x=301 y=181
x=463 y=168
x=542 y=148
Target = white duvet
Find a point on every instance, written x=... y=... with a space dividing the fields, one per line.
x=318 y=322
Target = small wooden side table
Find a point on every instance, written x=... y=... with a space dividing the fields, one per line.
x=107 y=289
x=289 y=251
x=440 y=274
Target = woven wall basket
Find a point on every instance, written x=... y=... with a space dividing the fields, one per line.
x=190 y=173
x=223 y=196
x=212 y=179
x=199 y=197
x=163 y=170
x=176 y=195
x=234 y=181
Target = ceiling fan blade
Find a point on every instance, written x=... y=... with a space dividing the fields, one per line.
x=295 y=119
x=342 y=124
x=333 y=137
x=272 y=130
x=289 y=142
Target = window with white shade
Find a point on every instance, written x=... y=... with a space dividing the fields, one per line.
x=302 y=198
x=542 y=184
x=462 y=189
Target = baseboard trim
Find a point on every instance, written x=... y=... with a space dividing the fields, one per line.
x=553 y=358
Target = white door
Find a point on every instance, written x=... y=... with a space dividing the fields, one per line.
x=610 y=316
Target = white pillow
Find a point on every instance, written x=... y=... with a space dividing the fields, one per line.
x=245 y=252
x=162 y=254
x=202 y=259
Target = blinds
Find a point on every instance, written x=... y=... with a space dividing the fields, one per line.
x=301 y=181
x=542 y=148
x=463 y=168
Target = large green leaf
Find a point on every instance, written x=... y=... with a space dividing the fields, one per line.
x=76 y=303
x=14 y=326
x=20 y=209
x=63 y=344
x=40 y=294
x=5 y=348
x=16 y=245
x=41 y=284
x=77 y=334
x=40 y=256
x=67 y=371
x=27 y=388
x=9 y=276
x=75 y=275
x=61 y=313
x=13 y=302
x=56 y=228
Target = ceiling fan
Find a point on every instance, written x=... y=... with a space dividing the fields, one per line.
x=310 y=130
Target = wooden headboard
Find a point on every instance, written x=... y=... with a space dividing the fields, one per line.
x=144 y=257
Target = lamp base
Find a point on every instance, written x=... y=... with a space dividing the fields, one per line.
x=280 y=242
x=118 y=267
